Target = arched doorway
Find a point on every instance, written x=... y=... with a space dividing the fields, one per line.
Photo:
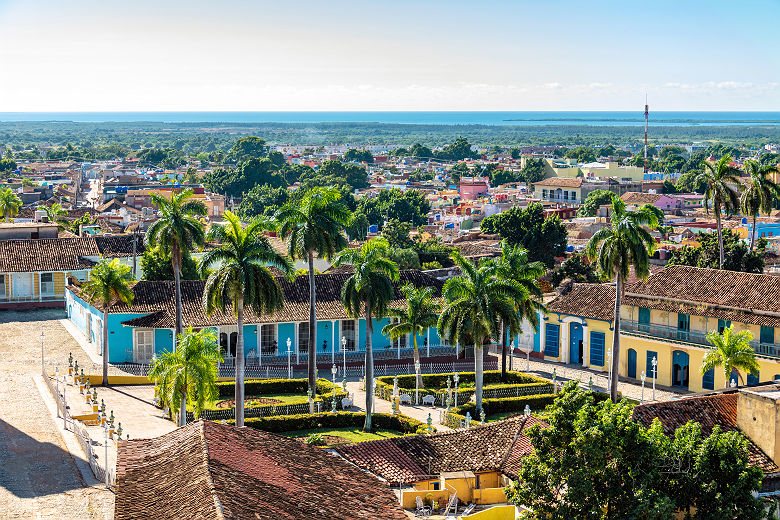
x=680 y=369
x=575 y=343
x=632 y=363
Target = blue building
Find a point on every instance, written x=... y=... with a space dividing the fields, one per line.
x=138 y=331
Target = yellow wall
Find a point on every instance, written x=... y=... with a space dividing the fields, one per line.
x=491 y=490
x=409 y=498
x=494 y=513
x=592 y=326
x=489 y=496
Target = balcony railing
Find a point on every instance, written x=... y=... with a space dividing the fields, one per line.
x=694 y=337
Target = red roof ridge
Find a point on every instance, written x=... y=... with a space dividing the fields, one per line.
x=206 y=460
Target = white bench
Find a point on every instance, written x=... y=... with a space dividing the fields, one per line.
x=405 y=399
x=429 y=399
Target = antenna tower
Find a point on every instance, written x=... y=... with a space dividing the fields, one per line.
x=645 y=170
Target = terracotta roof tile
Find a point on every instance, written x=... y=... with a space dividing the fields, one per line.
x=46 y=254
x=560 y=182
x=113 y=246
x=589 y=300
x=636 y=197
x=213 y=471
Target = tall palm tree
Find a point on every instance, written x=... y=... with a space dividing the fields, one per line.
x=55 y=214
x=513 y=266
x=368 y=292
x=730 y=350
x=721 y=181
x=177 y=231
x=108 y=284
x=421 y=312
x=314 y=225
x=240 y=277
x=188 y=375
x=476 y=302
x=618 y=248
x=760 y=193
x=10 y=204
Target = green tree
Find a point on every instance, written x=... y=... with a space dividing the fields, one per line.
x=457 y=151
x=404 y=258
x=669 y=187
x=730 y=350
x=263 y=201
x=354 y=155
x=10 y=204
x=315 y=225
x=7 y=165
x=251 y=147
x=240 y=277
x=157 y=265
x=513 y=267
x=432 y=250
x=618 y=248
x=277 y=159
x=107 y=285
x=188 y=375
x=593 y=462
x=420 y=152
x=476 y=303
x=582 y=154
x=543 y=237
x=56 y=215
x=177 y=231
x=738 y=256
x=533 y=171
x=760 y=193
x=457 y=171
x=577 y=268
x=368 y=292
x=720 y=179
x=397 y=234
x=607 y=151
x=407 y=206
x=357 y=228
x=593 y=202
x=420 y=313
x=336 y=173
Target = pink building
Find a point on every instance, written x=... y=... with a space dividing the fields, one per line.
x=473 y=188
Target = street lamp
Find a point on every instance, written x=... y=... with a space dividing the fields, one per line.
x=456 y=379
x=289 y=367
x=43 y=336
x=344 y=353
x=333 y=371
x=416 y=382
x=57 y=383
x=654 y=362
x=511 y=354
x=105 y=460
x=643 y=377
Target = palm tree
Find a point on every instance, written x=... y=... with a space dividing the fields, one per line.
x=10 y=204
x=618 y=248
x=108 y=285
x=513 y=266
x=368 y=292
x=420 y=313
x=240 y=277
x=188 y=374
x=55 y=214
x=314 y=225
x=719 y=179
x=476 y=303
x=730 y=350
x=177 y=231
x=760 y=193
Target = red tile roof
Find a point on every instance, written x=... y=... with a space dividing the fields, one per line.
x=561 y=182
x=496 y=446
x=589 y=300
x=46 y=254
x=214 y=471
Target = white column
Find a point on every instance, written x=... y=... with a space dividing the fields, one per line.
x=564 y=342
x=333 y=342
x=295 y=345
x=542 y=335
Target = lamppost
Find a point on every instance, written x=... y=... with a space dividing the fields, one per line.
x=105 y=460
x=654 y=362
x=57 y=388
x=64 y=404
x=333 y=371
x=456 y=379
x=643 y=377
x=289 y=367
x=344 y=353
x=43 y=336
x=511 y=354
x=416 y=383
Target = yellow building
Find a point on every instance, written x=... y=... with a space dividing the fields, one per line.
x=667 y=318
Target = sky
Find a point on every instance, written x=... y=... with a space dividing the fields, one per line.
x=247 y=55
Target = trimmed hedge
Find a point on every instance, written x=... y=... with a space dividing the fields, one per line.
x=509 y=404
x=288 y=423
x=253 y=387
x=490 y=377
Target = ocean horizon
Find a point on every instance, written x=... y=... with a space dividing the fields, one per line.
x=490 y=118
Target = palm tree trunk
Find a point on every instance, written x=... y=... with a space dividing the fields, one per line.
x=240 y=363
x=176 y=261
x=753 y=232
x=720 y=234
x=312 y=362
x=416 y=360
x=478 y=373
x=183 y=404
x=104 y=333
x=613 y=383
x=369 y=369
x=503 y=352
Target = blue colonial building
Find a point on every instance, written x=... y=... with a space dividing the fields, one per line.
x=138 y=331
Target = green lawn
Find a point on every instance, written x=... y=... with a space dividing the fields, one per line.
x=501 y=416
x=349 y=434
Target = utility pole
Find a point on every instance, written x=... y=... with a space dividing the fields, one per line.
x=646 y=111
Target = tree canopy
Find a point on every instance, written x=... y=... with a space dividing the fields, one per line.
x=737 y=254
x=405 y=206
x=593 y=201
x=355 y=155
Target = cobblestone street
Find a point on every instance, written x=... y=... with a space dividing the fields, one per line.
x=38 y=476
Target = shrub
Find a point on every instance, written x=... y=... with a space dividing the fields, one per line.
x=491 y=377
x=287 y=423
x=315 y=439
x=274 y=386
x=508 y=404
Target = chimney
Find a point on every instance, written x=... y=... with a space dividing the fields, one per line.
x=758 y=416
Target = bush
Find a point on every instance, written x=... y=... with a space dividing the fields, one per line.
x=315 y=439
x=288 y=423
x=440 y=380
x=273 y=386
x=508 y=404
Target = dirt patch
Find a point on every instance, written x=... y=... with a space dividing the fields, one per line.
x=249 y=401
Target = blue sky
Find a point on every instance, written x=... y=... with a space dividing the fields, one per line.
x=380 y=55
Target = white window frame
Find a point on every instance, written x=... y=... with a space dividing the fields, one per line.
x=3 y=287
x=303 y=339
x=354 y=332
x=143 y=351
x=267 y=341
x=48 y=285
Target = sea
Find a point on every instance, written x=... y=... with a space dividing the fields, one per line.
x=536 y=118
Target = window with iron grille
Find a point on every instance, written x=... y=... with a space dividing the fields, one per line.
x=47 y=283
x=268 y=339
x=551 y=336
x=597 y=349
x=303 y=336
x=348 y=331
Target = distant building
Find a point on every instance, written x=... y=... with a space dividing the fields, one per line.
x=473 y=188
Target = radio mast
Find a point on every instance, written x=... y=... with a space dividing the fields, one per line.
x=645 y=170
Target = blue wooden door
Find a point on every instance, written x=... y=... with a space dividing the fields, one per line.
x=644 y=319
x=680 y=369
x=575 y=343
x=632 y=363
